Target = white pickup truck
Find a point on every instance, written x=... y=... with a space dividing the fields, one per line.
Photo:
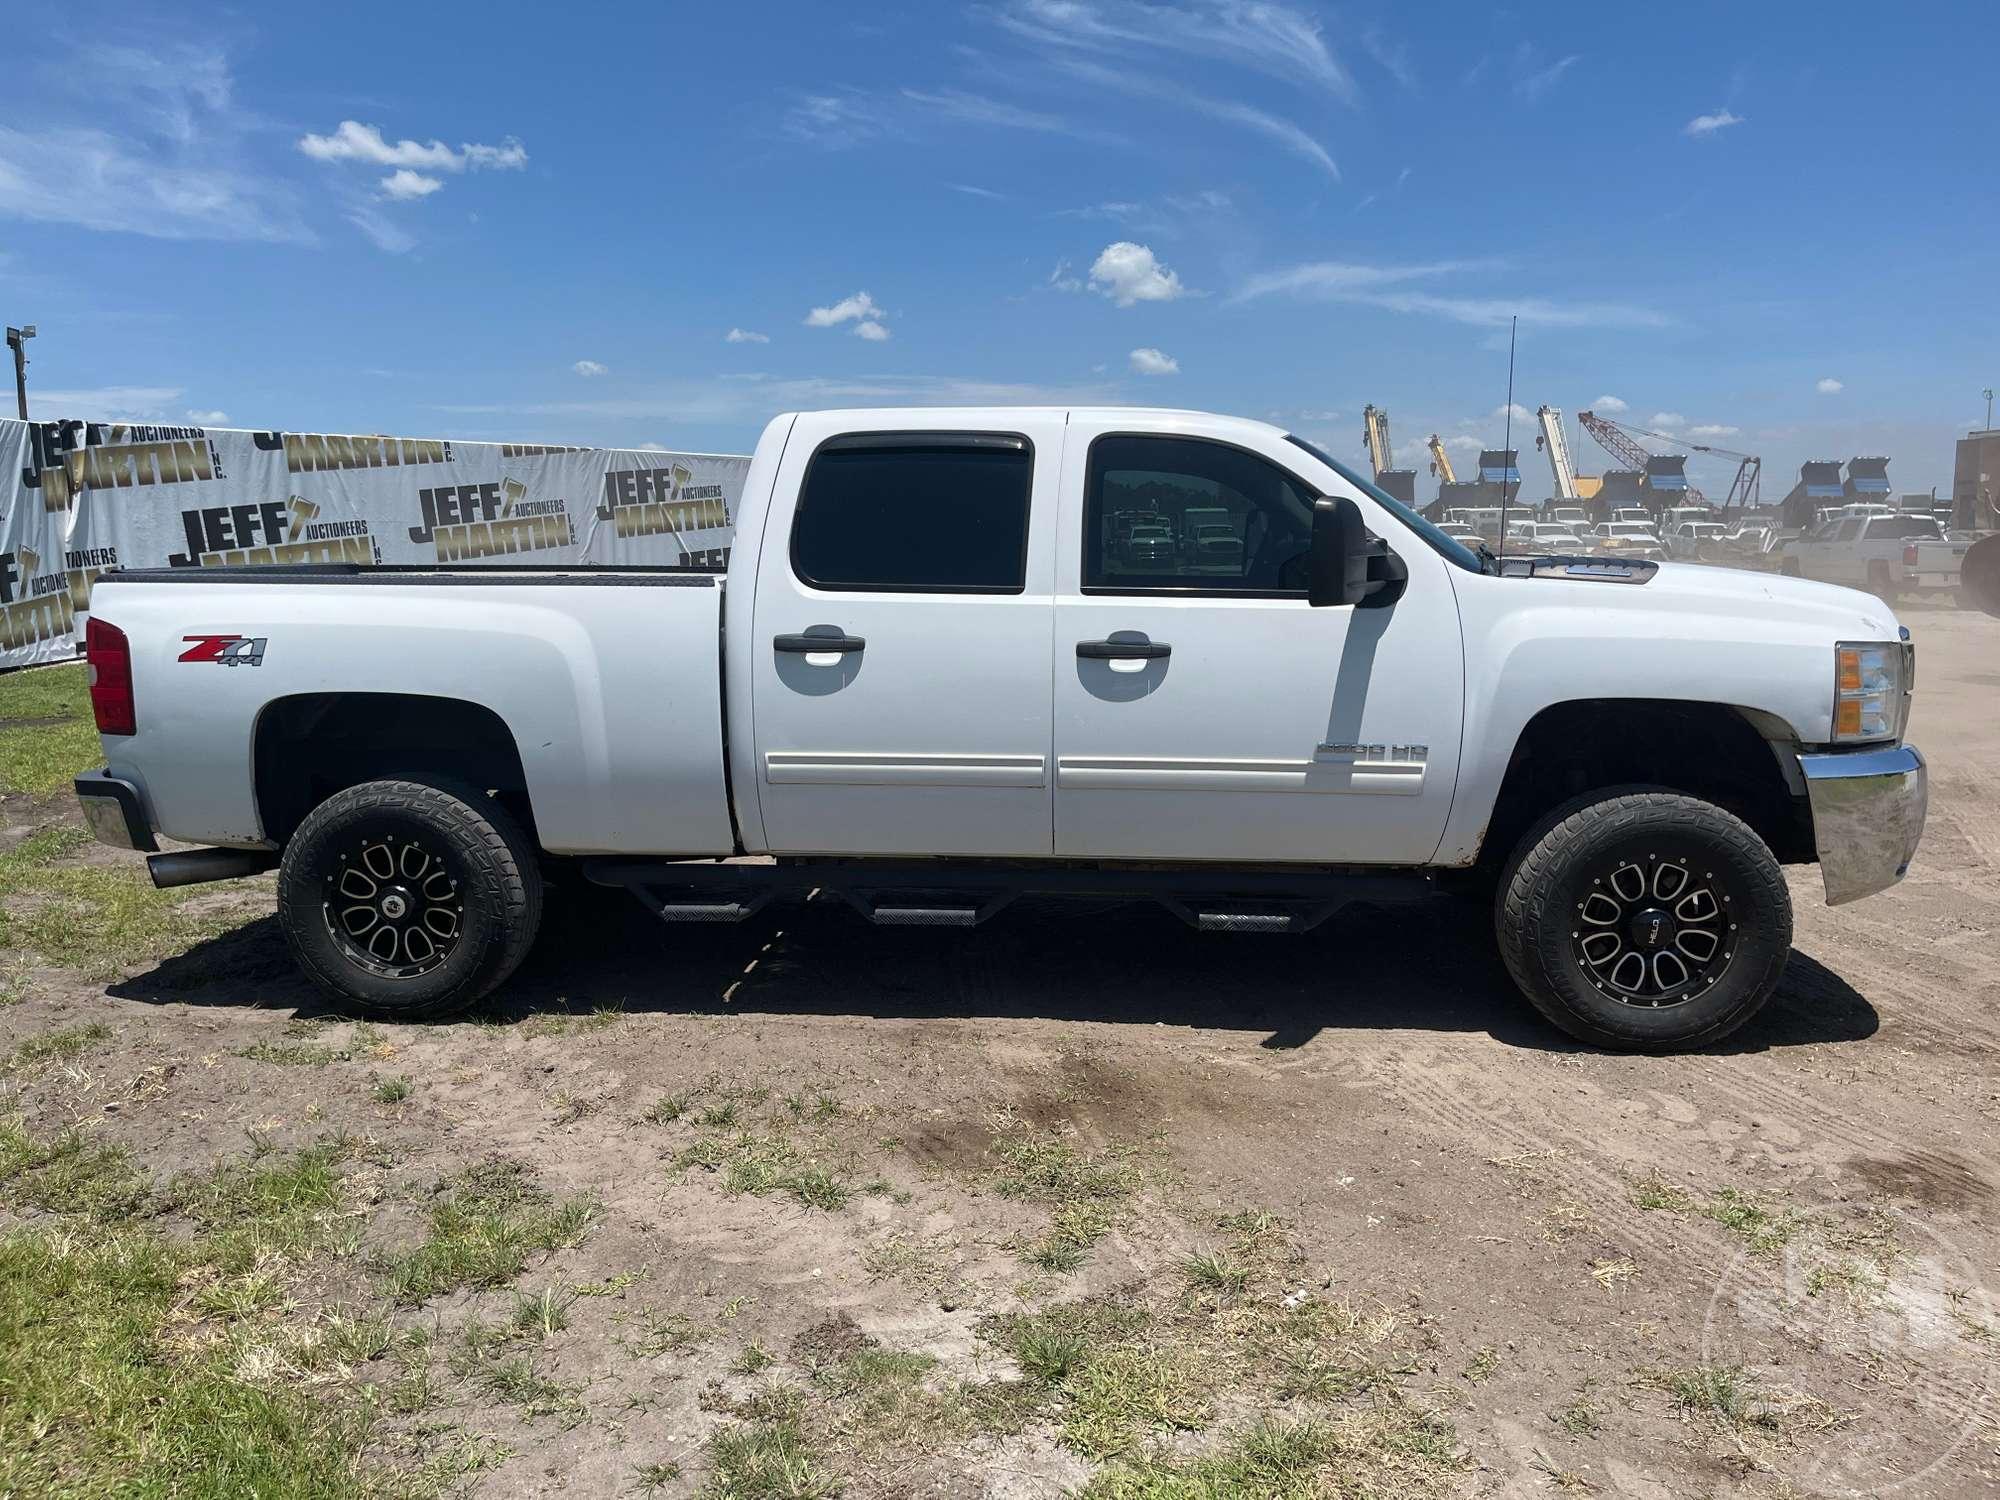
x=1890 y=555
x=934 y=677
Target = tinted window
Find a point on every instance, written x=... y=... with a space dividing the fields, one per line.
x=1906 y=528
x=927 y=513
x=1162 y=512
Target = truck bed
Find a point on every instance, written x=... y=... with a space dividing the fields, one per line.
x=608 y=680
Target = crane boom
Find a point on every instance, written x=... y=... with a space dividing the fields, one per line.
x=1557 y=446
x=1440 y=460
x=1375 y=433
x=1621 y=443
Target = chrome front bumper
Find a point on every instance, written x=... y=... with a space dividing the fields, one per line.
x=1868 y=813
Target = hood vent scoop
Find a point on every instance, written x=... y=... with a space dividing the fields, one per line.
x=1593 y=569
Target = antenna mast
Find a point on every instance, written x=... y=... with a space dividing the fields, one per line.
x=1508 y=440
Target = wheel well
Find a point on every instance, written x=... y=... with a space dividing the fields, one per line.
x=310 y=746
x=1708 y=750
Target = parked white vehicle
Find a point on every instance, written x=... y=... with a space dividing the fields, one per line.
x=932 y=678
x=1687 y=539
x=1888 y=553
x=1543 y=537
x=1630 y=539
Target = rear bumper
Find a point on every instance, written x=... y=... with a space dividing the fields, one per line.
x=115 y=811
x=1868 y=813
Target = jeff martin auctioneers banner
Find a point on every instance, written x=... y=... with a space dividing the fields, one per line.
x=80 y=497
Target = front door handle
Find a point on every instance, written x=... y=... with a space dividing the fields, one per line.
x=1122 y=650
x=812 y=644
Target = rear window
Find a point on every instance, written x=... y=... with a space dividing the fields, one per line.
x=1905 y=528
x=927 y=512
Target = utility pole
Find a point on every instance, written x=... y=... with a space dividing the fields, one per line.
x=1988 y=394
x=16 y=339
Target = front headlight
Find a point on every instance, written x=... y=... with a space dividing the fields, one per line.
x=1871 y=690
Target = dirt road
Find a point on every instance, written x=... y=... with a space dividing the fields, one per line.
x=1078 y=1198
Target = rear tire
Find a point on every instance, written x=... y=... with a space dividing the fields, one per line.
x=409 y=898
x=1880 y=584
x=1644 y=920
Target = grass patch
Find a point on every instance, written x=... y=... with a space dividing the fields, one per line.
x=293 y=1054
x=66 y=1043
x=1389 y=1449
x=59 y=741
x=1581 y=1417
x=105 y=1396
x=768 y=1460
x=1760 y=1225
x=484 y=1224
x=137 y=1363
x=1082 y=1190
x=68 y=1173
x=99 y=919
x=1723 y=1391
x=1215 y=1274
x=758 y=1164
x=394 y=1090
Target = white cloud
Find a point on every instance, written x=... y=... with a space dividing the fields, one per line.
x=1702 y=125
x=652 y=448
x=1063 y=280
x=860 y=310
x=1713 y=430
x=1464 y=443
x=746 y=336
x=1370 y=286
x=1830 y=387
x=1275 y=39
x=1666 y=419
x=1334 y=278
x=832 y=121
x=382 y=232
x=1129 y=273
x=1517 y=411
x=354 y=141
x=1609 y=403
x=157 y=148
x=976 y=109
x=404 y=184
x=1534 y=78
x=106 y=403
x=972 y=191
x=208 y=418
x=1292 y=137
x=1153 y=362
x=589 y=367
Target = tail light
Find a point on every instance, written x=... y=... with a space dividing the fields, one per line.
x=109 y=656
x=1910 y=555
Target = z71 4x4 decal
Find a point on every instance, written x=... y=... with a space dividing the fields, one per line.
x=229 y=650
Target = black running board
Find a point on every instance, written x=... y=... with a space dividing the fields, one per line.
x=950 y=893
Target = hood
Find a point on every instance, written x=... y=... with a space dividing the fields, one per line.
x=1739 y=591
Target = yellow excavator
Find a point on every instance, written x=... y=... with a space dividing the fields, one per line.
x=1441 y=461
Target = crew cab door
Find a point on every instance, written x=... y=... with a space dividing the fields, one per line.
x=1203 y=709
x=900 y=649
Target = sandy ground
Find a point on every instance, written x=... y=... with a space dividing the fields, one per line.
x=1432 y=1149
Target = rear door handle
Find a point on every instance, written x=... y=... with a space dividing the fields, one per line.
x=799 y=644
x=1121 y=650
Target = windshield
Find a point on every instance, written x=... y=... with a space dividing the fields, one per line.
x=1446 y=546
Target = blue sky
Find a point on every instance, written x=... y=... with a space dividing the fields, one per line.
x=1778 y=225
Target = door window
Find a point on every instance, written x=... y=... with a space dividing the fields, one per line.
x=1185 y=516
x=923 y=512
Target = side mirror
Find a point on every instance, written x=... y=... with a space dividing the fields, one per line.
x=1346 y=565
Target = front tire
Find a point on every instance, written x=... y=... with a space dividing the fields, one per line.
x=408 y=898
x=1644 y=920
